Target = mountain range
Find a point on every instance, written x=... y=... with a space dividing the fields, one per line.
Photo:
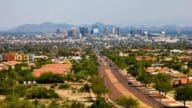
x=52 y=27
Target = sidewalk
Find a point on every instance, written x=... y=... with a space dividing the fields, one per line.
x=167 y=101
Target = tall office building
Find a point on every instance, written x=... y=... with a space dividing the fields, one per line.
x=133 y=32
x=117 y=31
x=65 y=33
x=145 y=33
x=84 y=31
x=113 y=30
x=106 y=31
x=163 y=33
x=58 y=31
x=139 y=32
x=136 y=32
x=95 y=30
x=74 y=32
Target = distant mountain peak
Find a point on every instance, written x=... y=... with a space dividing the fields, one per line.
x=43 y=27
x=52 y=27
x=47 y=23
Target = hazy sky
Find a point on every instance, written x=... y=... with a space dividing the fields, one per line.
x=120 y=12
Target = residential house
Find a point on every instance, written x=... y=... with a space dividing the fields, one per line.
x=9 y=57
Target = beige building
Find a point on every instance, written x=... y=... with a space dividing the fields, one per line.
x=22 y=57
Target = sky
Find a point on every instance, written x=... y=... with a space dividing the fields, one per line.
x=119 y=12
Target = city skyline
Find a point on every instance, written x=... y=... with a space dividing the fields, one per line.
x=124 y=12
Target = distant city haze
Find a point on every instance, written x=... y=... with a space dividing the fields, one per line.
x=118 y=12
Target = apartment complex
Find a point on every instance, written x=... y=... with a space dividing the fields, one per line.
x=20 y=57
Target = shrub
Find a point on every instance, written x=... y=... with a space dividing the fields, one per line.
x=127 y=102
x=98 y=86
x=13 y=102
x=41 y=93
x=85 y=88
x=101 y=103
x=50 y=78
x=64 y=86
x=76 y=104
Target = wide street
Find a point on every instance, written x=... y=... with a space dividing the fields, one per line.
x=118 y=85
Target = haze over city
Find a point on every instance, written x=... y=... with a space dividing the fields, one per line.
x=95 y=54
x=119 y=12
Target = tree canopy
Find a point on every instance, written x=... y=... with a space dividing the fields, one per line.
x=101 y=103
x=163 y=83
x=127 y=102
x=50 y=78
x=184 y=93
x=98 y=86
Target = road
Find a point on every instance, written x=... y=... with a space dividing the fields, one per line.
x=117 y=83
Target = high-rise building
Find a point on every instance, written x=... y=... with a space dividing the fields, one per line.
x=117 y=31
x=95 y=30
x=84 y=31
x=58 y=31
x=163 y=33
x=74 y=32
x=106 y=31
x=146 y=33
x=69 y=33
x=136 y=32
x=65 y=33
x=133 y=32
x=113 y=30
x=139 y=32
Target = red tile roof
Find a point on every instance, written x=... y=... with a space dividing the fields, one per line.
x=53 y=68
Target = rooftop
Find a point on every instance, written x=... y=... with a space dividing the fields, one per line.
x=53 y=68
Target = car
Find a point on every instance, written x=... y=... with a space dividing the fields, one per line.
x=130 y=83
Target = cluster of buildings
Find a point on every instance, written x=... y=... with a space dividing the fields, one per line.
x=81 y=31
x=84 y=31
x=108 y=35
x=20 y=57
x=177 y=77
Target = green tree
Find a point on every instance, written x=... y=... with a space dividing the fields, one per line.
x=8 y=86
x=76 y=104
x=40 y=62
x=41 y=93
x=189 y=65
x=144 y=78
x=133 y=70
x=127 y=102
x=70 y=77
x=13 y=102
x=163 y=83
x=20 y=89
x=28 y=77
x=97 y=85
x=184 y=93
x=83 y=74
x=86 y=67
x=101 y=103
x=53 y=104
x=50 y=78
x=64 y=86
